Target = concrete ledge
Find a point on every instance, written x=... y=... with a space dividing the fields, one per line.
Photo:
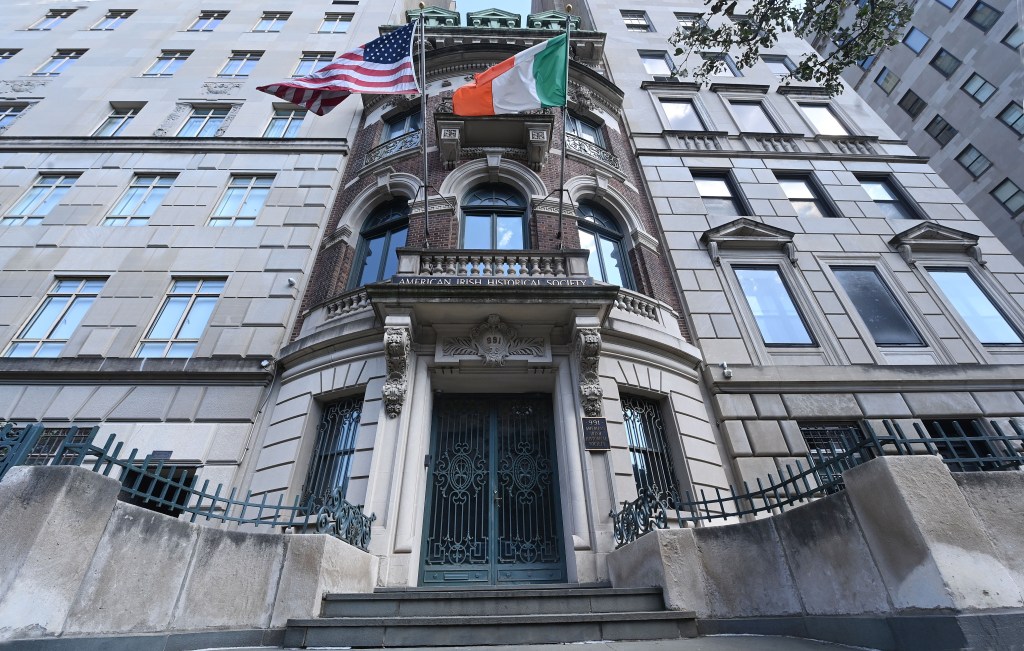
x=158 y=642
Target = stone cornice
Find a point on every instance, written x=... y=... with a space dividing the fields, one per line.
x=83 y=370
x=185 y=145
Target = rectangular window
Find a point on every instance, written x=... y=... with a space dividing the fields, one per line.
x=56 y=319
x=686 y=21
x=772 y=305
x=888 y=324
x=7 y=54
x=945 y=63
x=167 y=63
x=724 y=65
x=208 y=21
x=182 y=318
x=865 y=63
x=59 y=62
x=657 y=63
x=983 y=16
x=310 y=62
x=781 y=66
x=682 y=116
x=203 y=123
x=335 y=23
x=941 y=130
x=648 y=449
x=824 y=119
x=9 y=113
x=331 y=465
x=912 y=103
x=399 y=125
x=140 y=200
x=1013 y=39
x=977 y=87
x=916 y=40
x=752 y=118
x=887 y=198
x=41 y=198
x=113 y=19
x=242 y=201
x=718 y=194
x=636 y=21
x=115 y=123
x=802 y=193
x=584 y=129
x=52 y=18
x=285 y=123
x=240 y=64
x=985 y=320
x=887 y=80
x=272 y=21
x=973 y=161
x=948 y=4
x=1008 y=195
x=1013 y=117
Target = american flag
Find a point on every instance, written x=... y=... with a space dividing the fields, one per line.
x=382 y=66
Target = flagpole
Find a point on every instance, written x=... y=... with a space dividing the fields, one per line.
x=565 y=109
x=423 y=126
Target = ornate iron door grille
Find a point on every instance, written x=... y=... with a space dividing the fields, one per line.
x=492 y=513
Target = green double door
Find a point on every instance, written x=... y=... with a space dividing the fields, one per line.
x=492 y=514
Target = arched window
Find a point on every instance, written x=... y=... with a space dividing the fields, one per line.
x=600 y=234
x=383 y=232
x=494 y=218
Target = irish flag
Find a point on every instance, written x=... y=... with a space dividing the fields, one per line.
x=532 y=79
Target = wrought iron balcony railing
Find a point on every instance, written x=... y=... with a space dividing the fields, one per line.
x=408 y=142
x=590 y=150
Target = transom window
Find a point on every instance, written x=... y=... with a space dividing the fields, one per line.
x=585 y=129
x=204 y=122
x=941 y=130
x=272 y=21
x=802 y=193
x=888 y=324
x=771 y=303
x=332 y=457
x=636 y=21
x=41 y=198
x=600 y=234
x=140 y=200
x=983 y=16
x=399 y=125
x=285 y=123
x=648 y=449
x=383 y=233
x=657 y=63
x=116 y=122
x=1013 y=117
x=182 y=318
x=59 y=62
x=57 y=317
x=113 y=19
x=752 y=118
x=682 y=116
x=887 y=80
x=242 y=201
x=208 y=21
x=824 y=119
x=52 y=18
x=781 y=66
x=167 y=63
x=311 y=62
x=977 y=87
x=986 y=321
x=945 y=63
x=973 y=161
x=719 y=196
x=1009 y=195
x=335 y=23
x=494 y=217
x=240 y=64
x=888 y=199
x=916 y=40
x=912 y=103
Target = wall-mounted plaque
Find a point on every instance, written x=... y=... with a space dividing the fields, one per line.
x=595 y=434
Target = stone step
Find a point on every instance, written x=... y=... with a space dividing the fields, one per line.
x=377 y=632
x=518 y=601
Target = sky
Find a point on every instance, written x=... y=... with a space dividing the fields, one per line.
x=521 y=7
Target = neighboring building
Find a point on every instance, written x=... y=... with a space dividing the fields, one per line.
x=737 y=273
x=953 y=90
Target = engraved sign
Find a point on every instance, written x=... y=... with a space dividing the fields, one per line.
x=452 y=134
x=538 y=135
x=595 y=434
x=491 y=281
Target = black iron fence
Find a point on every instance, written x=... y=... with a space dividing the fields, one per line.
x=964 y=445
x=170 y=488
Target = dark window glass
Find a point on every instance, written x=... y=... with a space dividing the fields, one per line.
x=401 y=125
x=1010 y=196
x=941 y=130
x=887 y=80
x=945 y=63
x=960 y=442
x=888 y=323
x=985 y=320
x=494 y=218
x=718 y=194
x=1014 y=38
x=382 y=234
x=977 y=87
x=983 y=16
x=773 y=308
x=600 y=234
x=652 y=462
x=973 y=161
x=887 y=198
x=585 y=129
x=1013 y=117
x=912 y=103
x=331 y=465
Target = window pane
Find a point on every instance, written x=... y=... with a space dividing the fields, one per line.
x=45 y=318
x=885 y=319
x=180 y=350
x=371 y=264
x=916 y=39
x=197 y=318
x=682 y=116
x=396 y=241
x=752 y=117
x=253 y=202
x=170 y=314
x=612 y=261
x=656 y=63
x=773 y=308
x=823 y=120
x=982 y=316
x=151 y=350
x=510 y=233
x=72 y=318
x=477 y=233
x=589 y=242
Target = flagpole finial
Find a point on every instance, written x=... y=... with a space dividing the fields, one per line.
x=568 y=8
x=423 y=5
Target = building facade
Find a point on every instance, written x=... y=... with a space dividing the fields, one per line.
x=952 y=90
x=732 y=275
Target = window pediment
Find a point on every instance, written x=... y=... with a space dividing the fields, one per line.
x=435 y=16
x=930 y=237
x=745 y=233
x=493 y=18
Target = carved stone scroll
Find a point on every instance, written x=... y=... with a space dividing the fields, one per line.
x=396 y=353
x=588 y=354
x=494 y=341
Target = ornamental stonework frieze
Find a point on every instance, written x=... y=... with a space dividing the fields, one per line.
x=221 y=87
x=21 y=86
x=396 y=354
x=588 y=356
x=494 y=342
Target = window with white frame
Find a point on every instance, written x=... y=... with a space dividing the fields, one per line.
x=9 y=113
x=988 y=323
x=55 y=320
x=310 y=62
x=113 y=20
x=240 y=63
x=207 y=21
x=584 y=129
x=167 y=63
x=116 y=122
x=979 y=88
x=878 y=308
x=1010 y=196
x=140 y=200
x=657 y=63
x=242 y=201
x=687 y=21
x=824 y=119
x=52 y=18
x=973 y=161
x=682 y=115
x=41 y=198
x=59 y=62
x=781 y=66
x=8 y=53
x=204 y=122
x=285 y=123
x=272 y=21
x=724 y=65
x=335 y=23
x=772 y=306
x=636 y=21
x=182 y=318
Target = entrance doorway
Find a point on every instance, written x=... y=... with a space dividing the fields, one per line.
x=492 y=514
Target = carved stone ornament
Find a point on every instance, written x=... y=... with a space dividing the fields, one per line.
x=180 y=109
x=396 y=353
x=494 y=341
x=588 y=354
x=221 y=87
x=21 y=86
